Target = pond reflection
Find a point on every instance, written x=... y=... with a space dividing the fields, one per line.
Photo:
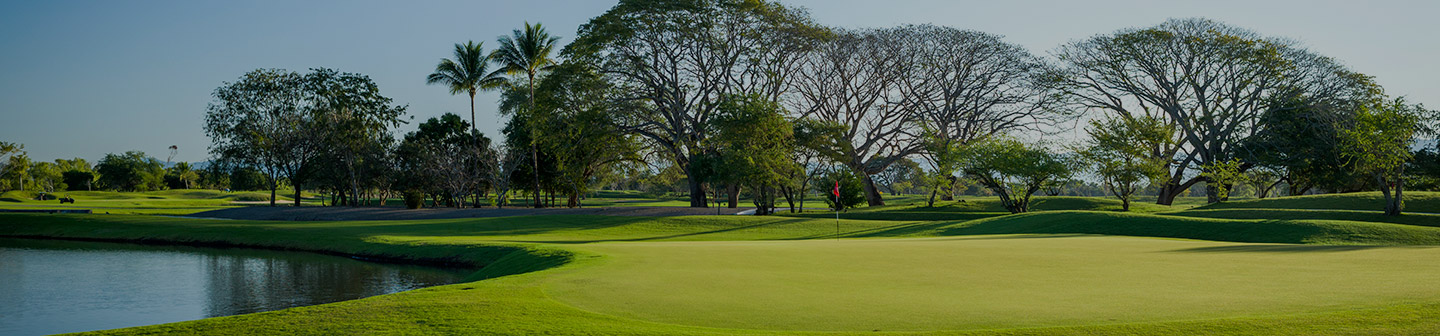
x=51 y=287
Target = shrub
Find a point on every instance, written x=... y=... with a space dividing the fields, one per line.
x=414 y=199
x=852 y=194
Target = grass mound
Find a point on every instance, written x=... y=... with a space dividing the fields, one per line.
x=1290 y=231
x=1420 y=219
x=970 y=208
x=1416 y=201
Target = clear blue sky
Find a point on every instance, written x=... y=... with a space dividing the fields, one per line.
x=85 y=78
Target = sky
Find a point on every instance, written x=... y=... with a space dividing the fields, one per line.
x=86 y=78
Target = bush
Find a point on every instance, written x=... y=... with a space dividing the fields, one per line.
x=852 y=194
x=414 y=199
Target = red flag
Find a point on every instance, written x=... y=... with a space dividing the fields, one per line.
x=837 y=188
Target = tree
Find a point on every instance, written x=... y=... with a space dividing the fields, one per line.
x=79 y=180
x=1424 y=168
x=17 y=172
x=47 y=177
x=466 y=73
x=280 y=122
x=900 y=177
x=445 y=155
x=9 y=150
x=352 y=120
x=1119 y=152
x=527 y=53
x=1298 y=139
x=852 y=194
x=260 y=122
x=1222 y=177
x=1209 y=79
x=945 y=159
x=811 y=138
x=1012 y=170
x=755 y=144
x=573 y=106
x=180 y=176
x=1379 y=141
x=853 y=80
x=679 y=58
x=131 y=171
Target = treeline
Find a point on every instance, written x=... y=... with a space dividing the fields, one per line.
x=735 y=98
x=130 y=171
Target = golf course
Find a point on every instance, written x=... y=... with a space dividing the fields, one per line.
x=1219 y=269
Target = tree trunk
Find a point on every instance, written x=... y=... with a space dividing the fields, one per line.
x=872 y=195
x=1385 y=191
x=1167 y=193
x=472 y=111
x=1399 y=203
x=697 y=190
x=274 y=185
x=949 y=188
x=734 y=197
x=297 y=195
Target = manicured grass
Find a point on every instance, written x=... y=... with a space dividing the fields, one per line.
x=985 y=282
x=1416 y=201
x=1421 y=219
x=165 y=202
x=977 y=207
x=1053 y=272
x=746 y=274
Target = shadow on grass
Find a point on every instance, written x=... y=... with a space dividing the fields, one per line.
x=1284 y=248
x=662 y=237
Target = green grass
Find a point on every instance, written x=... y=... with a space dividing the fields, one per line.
x=1345 y=215
x=985 y=282
x=165 y=202
x=1415 y=201
x=1217 y=271
x=977 y=207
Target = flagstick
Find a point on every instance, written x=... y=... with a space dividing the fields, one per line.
x=837 y=210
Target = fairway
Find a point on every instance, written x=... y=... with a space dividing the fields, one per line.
x=982 y=282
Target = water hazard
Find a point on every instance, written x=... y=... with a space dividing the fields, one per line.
x=49 y=287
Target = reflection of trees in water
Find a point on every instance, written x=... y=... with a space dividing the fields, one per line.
x=248 y=284
x=12 y=266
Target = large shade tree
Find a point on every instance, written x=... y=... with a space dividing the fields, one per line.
x=1211 y=80
x=279 y=122
x=680 y=58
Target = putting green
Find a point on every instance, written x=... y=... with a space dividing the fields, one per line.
x=985 y=281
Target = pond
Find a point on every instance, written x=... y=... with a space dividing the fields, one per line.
x=49 y=287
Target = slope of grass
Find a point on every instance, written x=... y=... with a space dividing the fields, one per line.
x=1421 y=219
x=1416 y=201
x=977 y=207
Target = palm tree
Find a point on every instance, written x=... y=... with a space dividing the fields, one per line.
x=466 y=73
x=527 y=53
